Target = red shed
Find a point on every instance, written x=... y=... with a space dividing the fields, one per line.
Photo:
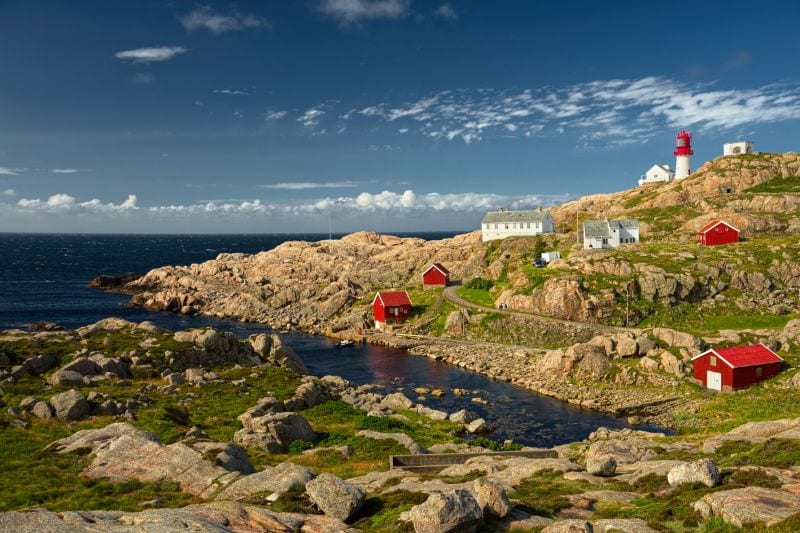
x=736 y=367
x=436 y=276
x=391 y=306
x=718 y=232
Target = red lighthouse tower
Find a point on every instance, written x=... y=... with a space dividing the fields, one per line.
x=683 y=154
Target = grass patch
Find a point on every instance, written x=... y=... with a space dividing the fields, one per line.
x=777 y=185
x=476 y=296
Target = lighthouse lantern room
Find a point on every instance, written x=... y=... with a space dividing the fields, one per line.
x=683 y=154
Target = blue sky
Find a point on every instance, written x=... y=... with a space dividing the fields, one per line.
x=389 y=115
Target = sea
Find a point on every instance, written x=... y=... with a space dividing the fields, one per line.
x=44 y=277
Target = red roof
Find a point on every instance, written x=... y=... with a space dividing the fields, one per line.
x=713 y=224
x=437 y=266
x=393 y=298
x=739 y=356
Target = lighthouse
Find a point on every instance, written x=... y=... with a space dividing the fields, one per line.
x=683 y=154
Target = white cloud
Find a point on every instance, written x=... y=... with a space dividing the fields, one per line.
x=64 y=171
x=9 y=192
x=618 y=111
x=231 y=92
x=275 y=115
x=64 y=203
x=302 y=185
x=206 y=18
x=152 y=54
x=385 y=203
x=446 y=11
x=311 y=117
x=5 y=171
x=354 y=11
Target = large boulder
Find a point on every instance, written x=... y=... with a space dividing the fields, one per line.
x=229 y=456
x=70 y=405
x=66 y=378
x=569 y=526
x=397 y=400
x=83 y=366
x=601 y=465
x=491 y=498
x=456 y=511
x=703 y=471
x=274 y=432
x=42 y=410
x=334 y=497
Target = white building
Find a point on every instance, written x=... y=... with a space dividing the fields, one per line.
x=738 y=147
x=501 y=224
x=657 y=174
x=609 y=233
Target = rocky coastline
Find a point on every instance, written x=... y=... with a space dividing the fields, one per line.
x=234 y=437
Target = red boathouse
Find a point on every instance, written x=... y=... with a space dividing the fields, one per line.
x=436 y=276
x=718 y=232
x=736 y=367
x=391 y=306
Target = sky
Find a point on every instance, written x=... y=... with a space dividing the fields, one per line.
x=283 y=116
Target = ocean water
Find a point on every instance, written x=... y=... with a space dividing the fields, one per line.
x=44 y=277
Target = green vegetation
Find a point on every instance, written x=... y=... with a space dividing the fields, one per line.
x=476 y=296
x=777 y=185
x=479 y=284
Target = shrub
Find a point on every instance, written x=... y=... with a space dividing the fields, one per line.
x=177 y=414
x=479 y=283
x=299 y=446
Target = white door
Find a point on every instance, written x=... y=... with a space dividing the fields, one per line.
x=714 y=380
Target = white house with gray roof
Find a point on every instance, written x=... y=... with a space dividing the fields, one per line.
x=598 y=234
x=657 y=174
x=501 y=224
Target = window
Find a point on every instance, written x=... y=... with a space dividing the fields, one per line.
x=712 y=361
x=759 y=372
x=506 y=226
x=495 y=226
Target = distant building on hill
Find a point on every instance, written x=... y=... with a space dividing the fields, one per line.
x=504 y=223
x=738 y=147
x=717 y=232
x=436 y=276
x=598 y=234
x=657 y=174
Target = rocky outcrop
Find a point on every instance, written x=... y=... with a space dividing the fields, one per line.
x=276 y=481
x=121 y=452
x=749 y=506
x=302 y=285
x=70 y=405
x=214 y=517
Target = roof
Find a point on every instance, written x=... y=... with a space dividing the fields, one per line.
x=535 y=215
x=741 y=356
x=392 y=298
x=602 y=228
x=714 y=223
x=437 y=266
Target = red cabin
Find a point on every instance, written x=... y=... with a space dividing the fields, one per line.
x=736 y=367
x=436 y=276
x=718 y=232
x=391 y=306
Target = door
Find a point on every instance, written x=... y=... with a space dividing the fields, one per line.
x=714 y=380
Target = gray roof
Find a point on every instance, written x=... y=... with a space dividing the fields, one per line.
x=602 y=228
x=536 y=215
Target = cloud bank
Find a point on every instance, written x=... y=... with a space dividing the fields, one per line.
x=386 y=202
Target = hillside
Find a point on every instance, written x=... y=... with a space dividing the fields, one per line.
x=756 y=192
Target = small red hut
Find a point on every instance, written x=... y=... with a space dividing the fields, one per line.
x=736 y=367
x=436 y=276
x=718 y=232
x=391 y=306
